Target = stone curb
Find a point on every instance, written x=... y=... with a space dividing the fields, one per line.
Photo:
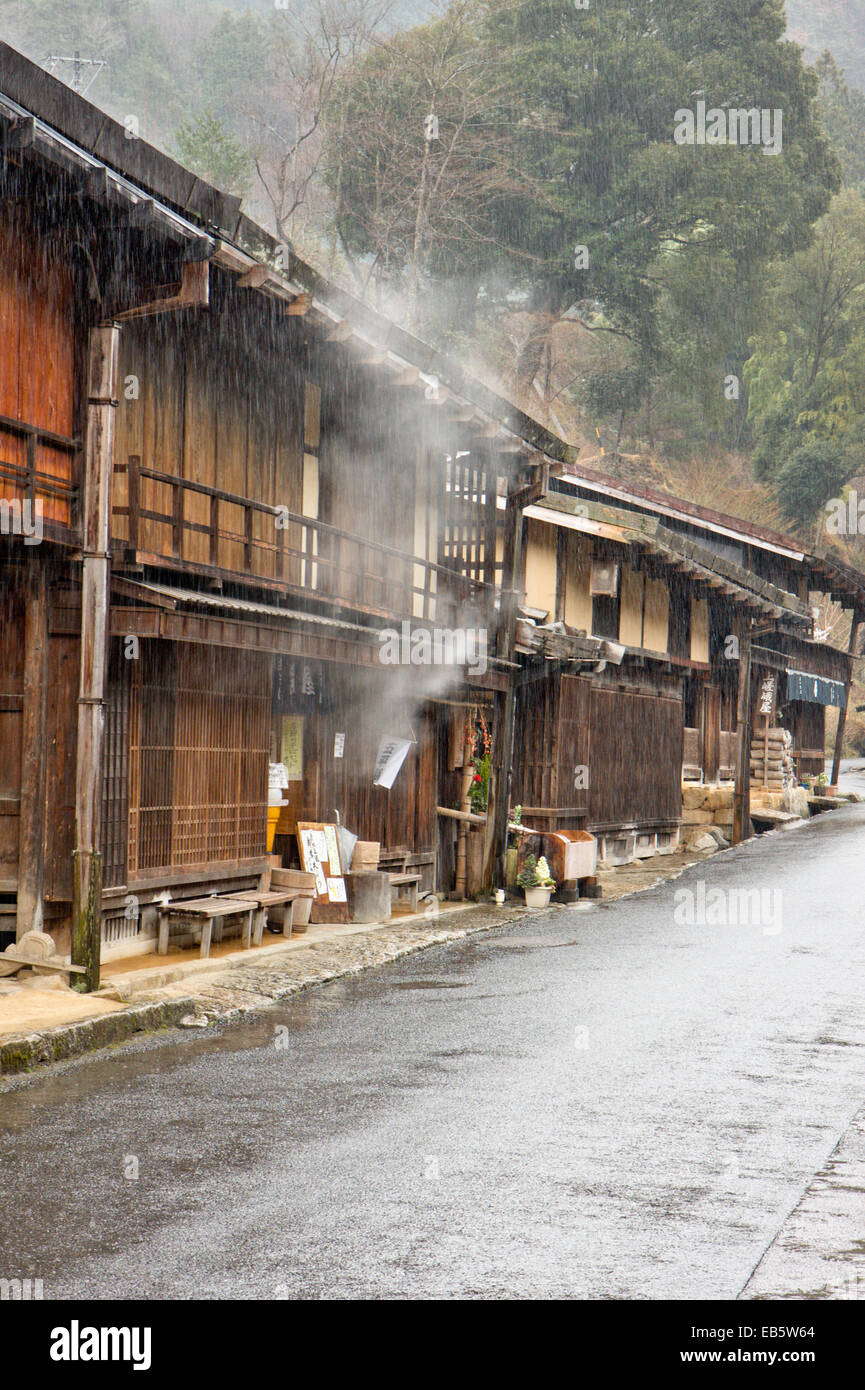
x=23 y=1051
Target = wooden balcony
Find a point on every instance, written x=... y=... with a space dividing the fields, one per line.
x=39 y=467
x=174 y=523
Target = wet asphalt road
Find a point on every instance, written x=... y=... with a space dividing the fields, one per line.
x=601 y=1103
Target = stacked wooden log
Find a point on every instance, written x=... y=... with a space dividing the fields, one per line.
x=772 y=759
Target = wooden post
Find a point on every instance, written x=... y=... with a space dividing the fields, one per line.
x=133 y=477
x=742 y=792
x=842 y=713
x=501 y=762
x=96 y=494
x=31 y=836
x=463 y=830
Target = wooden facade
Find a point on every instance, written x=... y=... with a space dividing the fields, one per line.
x=697 y=605
x=243 y=481
x=236 y=500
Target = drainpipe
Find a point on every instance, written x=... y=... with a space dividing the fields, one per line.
x=95 y=503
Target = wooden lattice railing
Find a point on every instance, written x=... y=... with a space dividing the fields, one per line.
x=175 y=521
x=37 y=465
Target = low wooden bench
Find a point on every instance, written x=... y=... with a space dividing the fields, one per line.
x=275 y=898
x=203 y=913
x=393 y=863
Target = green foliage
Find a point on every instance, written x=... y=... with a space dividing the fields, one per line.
x=557 y=175
x=811 y=475
x=480 y=788
x=231 y=61
x=206 y=147
x=842 y=111
x=806 y=373
x=591 y=99
x=535 y=873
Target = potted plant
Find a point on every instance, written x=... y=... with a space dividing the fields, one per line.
x=535 y=880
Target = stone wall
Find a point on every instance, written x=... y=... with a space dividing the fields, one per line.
x=705 y=806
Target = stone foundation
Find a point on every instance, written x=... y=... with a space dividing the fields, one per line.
x=704 y=806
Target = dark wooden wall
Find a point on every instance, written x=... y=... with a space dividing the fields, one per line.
x=62 y=661
x=38 y=362
x=361 y=706
x=11 y=713
x=631 y=743
x=635 y=767
x=219 y=403
x=198 y=751
x=552 y=739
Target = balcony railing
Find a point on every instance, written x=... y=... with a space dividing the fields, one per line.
x=37 y=466
x=175 y=522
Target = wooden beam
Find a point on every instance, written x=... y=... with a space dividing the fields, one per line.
x=855 y=630
x=253 y=278
x=742 y=790
x=340 y=333
x=409 y=376
x=501 y=760
x=299 y=306
x=31 y=831
x=96 y=510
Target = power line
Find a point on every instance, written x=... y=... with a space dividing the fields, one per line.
x=81 y=81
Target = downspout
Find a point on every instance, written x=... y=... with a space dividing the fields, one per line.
x=96 y=502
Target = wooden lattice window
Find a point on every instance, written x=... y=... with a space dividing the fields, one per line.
x=199 y=752
x=470 y=518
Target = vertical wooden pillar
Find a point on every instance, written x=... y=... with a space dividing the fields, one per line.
x=561 y=573
x=842 y=713
x=501 y=763
x=31 y=838
x=742 y=792
x=96 y=495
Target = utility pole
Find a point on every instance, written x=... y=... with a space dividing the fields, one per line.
x=58 y=61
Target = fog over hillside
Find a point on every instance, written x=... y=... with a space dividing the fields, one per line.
x=838 y=25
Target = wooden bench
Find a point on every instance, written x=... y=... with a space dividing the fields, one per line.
x=203 y=913
x=394 y=864
x=275 y=898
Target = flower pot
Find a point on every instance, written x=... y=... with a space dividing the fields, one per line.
x=538 y=897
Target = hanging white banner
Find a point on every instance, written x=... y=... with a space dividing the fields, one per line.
x=391 y=756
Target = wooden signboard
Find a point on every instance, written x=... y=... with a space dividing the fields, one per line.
x=319 y=855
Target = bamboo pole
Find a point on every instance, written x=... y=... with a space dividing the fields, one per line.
x=463 y=831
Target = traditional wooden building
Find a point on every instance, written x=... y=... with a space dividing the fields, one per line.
x=244 y=518
x=711 y=624
x=231 y=498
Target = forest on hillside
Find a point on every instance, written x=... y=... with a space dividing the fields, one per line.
x=508 y=178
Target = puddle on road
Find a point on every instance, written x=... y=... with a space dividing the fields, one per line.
x=523 y=943
x=429 y=984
